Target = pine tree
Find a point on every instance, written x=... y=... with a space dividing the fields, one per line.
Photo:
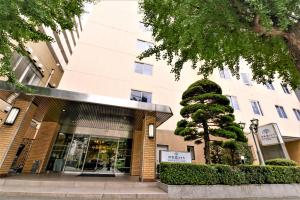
x=207 y=112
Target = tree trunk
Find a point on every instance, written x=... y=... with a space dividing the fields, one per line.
x=206 y=144
x=293 y=41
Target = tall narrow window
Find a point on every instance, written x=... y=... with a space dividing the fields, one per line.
x=192 y=151
x=297 y=113
x=246 y=79
x=233 y=102
x=256 y=107
x=143 y=45
x=225 y=73
x=142 y=68
x=280 y=111
x=285 y=89
x=269 y=86
x=142 y=96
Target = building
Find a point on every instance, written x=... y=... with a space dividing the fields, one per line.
x=103 y=115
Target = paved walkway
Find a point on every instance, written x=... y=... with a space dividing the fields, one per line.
x=73 y=187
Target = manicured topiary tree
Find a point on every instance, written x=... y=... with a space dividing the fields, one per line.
x=207 y=112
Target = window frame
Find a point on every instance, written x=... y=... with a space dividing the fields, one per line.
x=269 y=86
x=143 y=65
x=141 y=96
x=230 y=98
x=150 y=45
x=225 y=73
x=247 y=82
x=297 y=113
x=193 y=155
x=258 y=106
x=285 y=89
x=281 y=112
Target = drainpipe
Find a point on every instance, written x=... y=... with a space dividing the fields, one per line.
x=49 y=78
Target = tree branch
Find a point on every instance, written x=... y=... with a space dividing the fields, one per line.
x=258 y=28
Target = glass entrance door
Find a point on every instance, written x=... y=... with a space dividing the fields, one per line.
x=101 y=156
x=76 y=154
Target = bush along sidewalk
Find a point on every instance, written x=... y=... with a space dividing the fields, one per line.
x=196 y=174
x=281 y=162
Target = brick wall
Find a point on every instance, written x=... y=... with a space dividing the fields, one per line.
x=11 y=136
x=136 y=157
x=41 y=146
x=149 y=152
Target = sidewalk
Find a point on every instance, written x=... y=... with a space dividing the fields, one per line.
x=79 y=188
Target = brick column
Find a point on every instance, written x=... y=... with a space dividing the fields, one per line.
x=42 y=146
x=11 y=136
x=136 y=153
x=148 y=152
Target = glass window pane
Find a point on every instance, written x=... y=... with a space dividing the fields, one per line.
x=138 y=68
x=148 y=69
x=30 y=73
x=21 y=67
x=246 y=79
x=147 y=97
x=136 y=95
x=143 y=45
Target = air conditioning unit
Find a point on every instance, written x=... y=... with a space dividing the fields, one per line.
x=40 y=67
x=28 y=50
x=4 y=106
x=52 y=85
x=34 y=59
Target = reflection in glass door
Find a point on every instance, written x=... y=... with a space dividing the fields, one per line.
x=101 y=156
x=77 y=152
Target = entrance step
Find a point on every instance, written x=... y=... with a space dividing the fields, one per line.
x=81 y=189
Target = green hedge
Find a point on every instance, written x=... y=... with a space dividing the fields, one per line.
x=194 y=174
x=281 y=162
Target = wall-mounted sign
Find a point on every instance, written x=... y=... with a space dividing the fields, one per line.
x=268 y=135
x=175 y=156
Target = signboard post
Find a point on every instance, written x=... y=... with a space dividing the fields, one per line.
x=175 y=156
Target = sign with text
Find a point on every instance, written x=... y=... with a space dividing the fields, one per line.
x=175 y=156
x=268 y=135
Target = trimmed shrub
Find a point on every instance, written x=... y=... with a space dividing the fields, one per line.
x=281 y=162
x=195 y=174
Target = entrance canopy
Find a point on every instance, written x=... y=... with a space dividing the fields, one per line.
x=73 y=109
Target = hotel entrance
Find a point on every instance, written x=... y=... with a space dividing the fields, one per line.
x=90 y=155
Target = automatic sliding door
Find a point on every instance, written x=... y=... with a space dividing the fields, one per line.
x=77 y=153
x=101 y=156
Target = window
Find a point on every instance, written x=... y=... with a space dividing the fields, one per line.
x=297 y=113
x=256 y=107
x=143 y=45
x=225 y=73
x=233 y=102
x=192 y=151
x=280 y=111
x=26 y=72
x=269 y=86
x=141 y=96
x=285 y=89
x=142 y=68
x=246 y=79
x=143 y=27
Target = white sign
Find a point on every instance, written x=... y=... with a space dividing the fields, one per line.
x=174 y=156
x=268 y=135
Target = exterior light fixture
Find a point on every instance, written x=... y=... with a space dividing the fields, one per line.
x=151 y=131
x=12 y=116
x=242 y=125
x=254 y=128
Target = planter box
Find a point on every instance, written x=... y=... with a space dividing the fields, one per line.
x=270 y=191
